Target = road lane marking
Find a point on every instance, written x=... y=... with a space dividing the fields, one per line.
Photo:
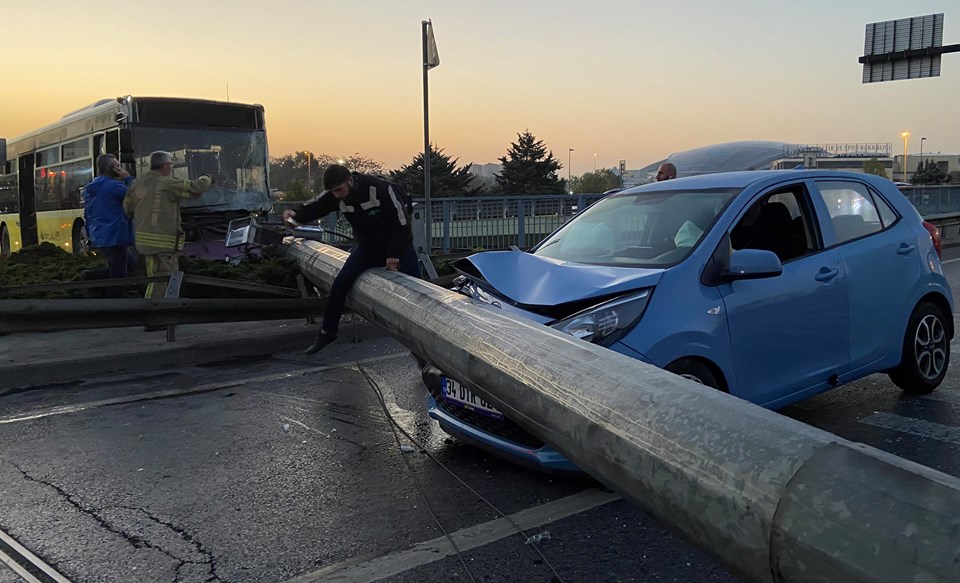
x=29 y=557
x=466 y=539
x=949 y=261
x=66 y=409
x=912 y=426
x=944 y=395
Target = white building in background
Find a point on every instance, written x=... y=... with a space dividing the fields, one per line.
x=765 y=155
x=485 y=170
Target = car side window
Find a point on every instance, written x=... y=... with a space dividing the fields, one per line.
x=887 y=215
x=780 y=222
x=853 y=210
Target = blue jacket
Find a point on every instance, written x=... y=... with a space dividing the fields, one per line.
x=107 y=225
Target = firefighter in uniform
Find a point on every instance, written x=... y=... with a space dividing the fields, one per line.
x=153 y=202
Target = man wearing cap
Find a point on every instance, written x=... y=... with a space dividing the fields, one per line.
x=153 y=202
x=379 y=214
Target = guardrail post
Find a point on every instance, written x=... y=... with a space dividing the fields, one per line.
x=521 y=225
x=447 y=215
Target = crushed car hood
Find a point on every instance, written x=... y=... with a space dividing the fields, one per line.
x=538 y=281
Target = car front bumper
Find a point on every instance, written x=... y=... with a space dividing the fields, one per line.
x=500 y=437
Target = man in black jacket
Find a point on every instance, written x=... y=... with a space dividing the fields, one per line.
x=381 y=230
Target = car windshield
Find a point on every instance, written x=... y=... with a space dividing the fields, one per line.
x=640 y=229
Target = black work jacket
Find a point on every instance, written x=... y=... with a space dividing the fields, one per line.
x=378 y=214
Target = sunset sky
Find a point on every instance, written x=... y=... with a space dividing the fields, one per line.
x=622 y=80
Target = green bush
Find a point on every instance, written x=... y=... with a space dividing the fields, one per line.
x=47 y=263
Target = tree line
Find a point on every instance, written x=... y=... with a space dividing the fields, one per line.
x=527 y=168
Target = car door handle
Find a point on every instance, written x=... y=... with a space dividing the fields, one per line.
x=826 y=274
x=905 y=249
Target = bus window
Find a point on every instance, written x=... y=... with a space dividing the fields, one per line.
x=48 y=157
x=76 y=149
x=9 y=198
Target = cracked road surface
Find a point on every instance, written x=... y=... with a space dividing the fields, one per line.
x=285 y=468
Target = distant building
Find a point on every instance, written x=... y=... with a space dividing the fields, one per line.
x=724 y=157
x=485 y=170
x=846 y=157
x=949 y=163
x=765 y=155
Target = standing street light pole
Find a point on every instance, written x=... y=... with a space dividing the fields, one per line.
x=569 y=188
x=906 y=137
x=594 y=162
x=921 y=149
x=309 y=186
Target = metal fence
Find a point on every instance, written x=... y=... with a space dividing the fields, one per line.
x=463 y=224
x=482 y=222
x=934 y=202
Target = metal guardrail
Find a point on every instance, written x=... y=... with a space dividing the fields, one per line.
x=44 y=315
x=52 y=315
x=130 y=281
x=934 y=202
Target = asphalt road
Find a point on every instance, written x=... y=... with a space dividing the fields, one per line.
x=287 y=468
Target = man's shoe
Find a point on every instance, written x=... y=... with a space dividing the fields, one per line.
x=323 y=339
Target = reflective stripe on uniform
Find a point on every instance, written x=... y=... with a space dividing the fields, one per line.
x=402 y=216
x=156 y=239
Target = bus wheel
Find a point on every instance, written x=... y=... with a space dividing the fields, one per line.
x=4 y=242
x=80 y=241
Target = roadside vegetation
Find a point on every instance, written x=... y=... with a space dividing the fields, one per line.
x=47 y=263
x=528 y=167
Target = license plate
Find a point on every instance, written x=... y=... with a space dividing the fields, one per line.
x=455 y=393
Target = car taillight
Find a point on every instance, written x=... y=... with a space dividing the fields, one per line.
x=935 y=237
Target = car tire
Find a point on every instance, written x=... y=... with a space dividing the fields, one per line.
x=926 y=351
x=695 y=370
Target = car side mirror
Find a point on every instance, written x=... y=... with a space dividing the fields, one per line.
x=753 y=264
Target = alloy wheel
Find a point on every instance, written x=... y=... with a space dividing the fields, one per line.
x=930 y=347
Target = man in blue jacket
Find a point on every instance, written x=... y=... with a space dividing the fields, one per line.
x=109 y=229
x=380 y=218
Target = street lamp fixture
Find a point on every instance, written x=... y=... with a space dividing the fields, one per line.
x=906 y=138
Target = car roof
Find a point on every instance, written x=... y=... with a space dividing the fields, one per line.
x=748 y=178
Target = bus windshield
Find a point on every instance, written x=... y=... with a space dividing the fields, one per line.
x=239 y=158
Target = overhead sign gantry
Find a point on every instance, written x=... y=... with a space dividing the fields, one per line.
x=908 y=48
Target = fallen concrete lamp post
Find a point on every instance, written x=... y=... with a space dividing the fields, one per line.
x=770 y=498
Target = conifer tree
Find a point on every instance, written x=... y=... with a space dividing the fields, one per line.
x=529 y=168
x=446 y=179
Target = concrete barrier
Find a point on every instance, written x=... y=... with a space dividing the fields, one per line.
x=770 y=498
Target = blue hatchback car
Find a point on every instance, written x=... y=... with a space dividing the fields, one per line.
x=772 y=286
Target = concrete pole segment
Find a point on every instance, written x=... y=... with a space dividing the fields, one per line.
x=770 y=498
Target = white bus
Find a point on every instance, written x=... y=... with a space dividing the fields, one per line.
x=42 y=173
